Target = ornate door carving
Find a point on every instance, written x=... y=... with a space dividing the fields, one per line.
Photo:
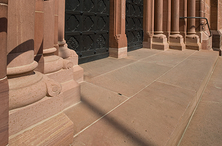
x=134 y=24
x=87 y=28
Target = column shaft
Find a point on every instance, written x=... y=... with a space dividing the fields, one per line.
x=4 y=98
x=175 y=16
x=158 y=22
x=176 y=40
x=39 y=34
x=192 y=40
x=191 y=13
x=159 y=40
x=147 y=23
x=52 y=62
x=56 y=7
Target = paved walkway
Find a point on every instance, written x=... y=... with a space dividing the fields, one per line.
x=205 y=128
x=145 y=99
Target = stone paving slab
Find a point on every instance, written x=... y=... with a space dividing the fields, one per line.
x=92 y=96
x=205 y=128
x=142 y=54
x=191 y=72
x=98 y=67
x=169 y=58
x=130 y=79
x=156 y=107
x=149 y=118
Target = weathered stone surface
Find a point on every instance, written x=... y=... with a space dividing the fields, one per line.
x=205 y=126
x=56 y=131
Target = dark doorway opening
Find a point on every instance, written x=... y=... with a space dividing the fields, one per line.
x=87 y=28
x=134 y=24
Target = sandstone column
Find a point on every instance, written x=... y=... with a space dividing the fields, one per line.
x=176 y=40
x=39 y=34
x=55 y=67
x=26 y=86
x=148 y=23
x=4 y=109
x=52 y=62
x=192 y=40
x=33 y=97
x=117 y=34
x=159 y=39
x=64 y=51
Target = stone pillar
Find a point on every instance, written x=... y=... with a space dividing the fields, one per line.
x=192 y=40
x=4 y=98
x=55 y=67
x=117 y=34
x=56 y=19
x=64 y=51
x=39 y=34
x=159 y=39
x=33 y=97
x=176 y=40
x=26 y=87
x=52 y=62
x=148 y=23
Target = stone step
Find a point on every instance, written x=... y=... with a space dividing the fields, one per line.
x=205 y=127
x=147 y=102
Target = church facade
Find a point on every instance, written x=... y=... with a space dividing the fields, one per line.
x=42 y=43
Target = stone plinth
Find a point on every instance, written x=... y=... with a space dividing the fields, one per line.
x=193 y=42
x=4 y=110
x=176 y=42
x=160 y=42
x=117 y=35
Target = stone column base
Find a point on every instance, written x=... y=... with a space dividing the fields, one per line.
x=193 y=42
x=148 y=44
x=55 y=131
x=22 y=118
x=176 y=42
x=70 y=88
x=160 y=42
x=118 y=52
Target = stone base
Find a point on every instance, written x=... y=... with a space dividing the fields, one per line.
x=22 y=118
x=147 y=44
x=70 y=88
x=71 y=93
x=4 y=108
x=118 y=52
x=176 y=42
x=160 y=42
x=193 y=42
x=78 y=73
x=55 y=131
